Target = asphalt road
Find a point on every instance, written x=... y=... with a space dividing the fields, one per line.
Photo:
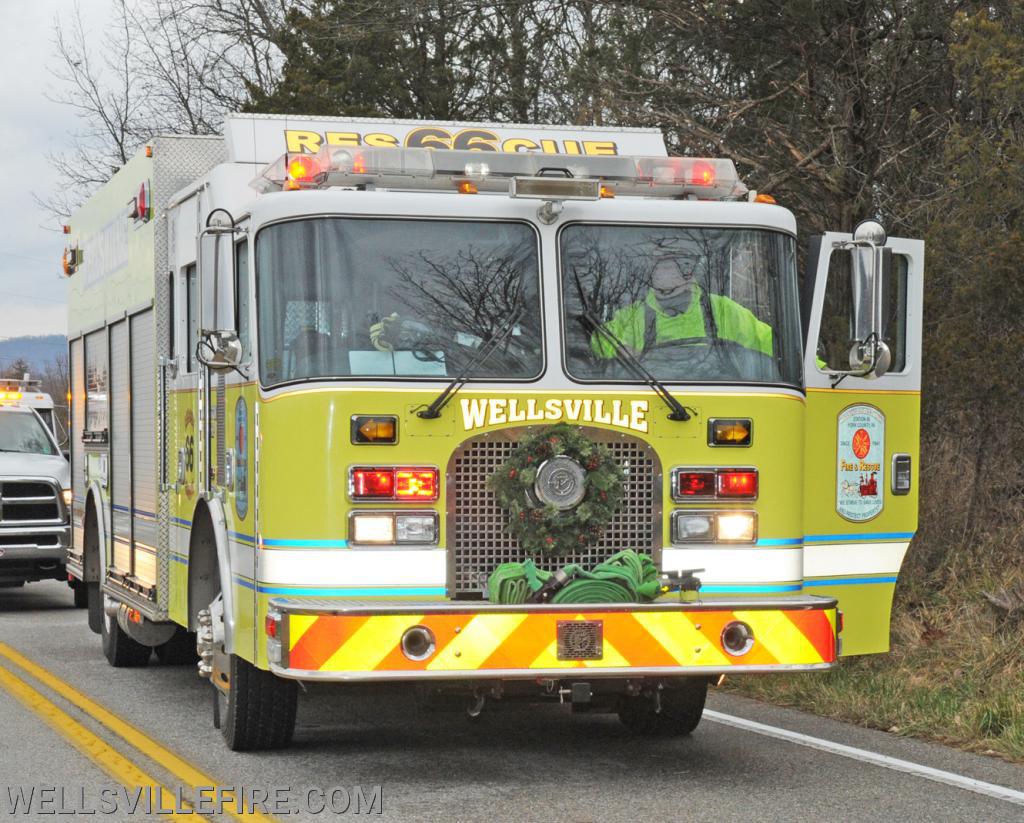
x=515 y=763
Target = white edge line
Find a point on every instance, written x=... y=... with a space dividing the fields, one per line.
x=928 y=773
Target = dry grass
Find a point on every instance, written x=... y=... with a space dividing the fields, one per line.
x=956 y=670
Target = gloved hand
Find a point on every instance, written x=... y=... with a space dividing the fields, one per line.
x=394 y=332
x=383 y=331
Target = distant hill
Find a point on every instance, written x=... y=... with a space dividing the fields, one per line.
x=40 y=351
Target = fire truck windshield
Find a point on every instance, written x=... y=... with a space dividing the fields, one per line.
x=691 y=304
x=346 y=297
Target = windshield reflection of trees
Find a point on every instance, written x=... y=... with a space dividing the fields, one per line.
x=475 y=292
x=609 y=276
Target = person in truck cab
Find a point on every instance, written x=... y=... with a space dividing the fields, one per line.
x=676 y=309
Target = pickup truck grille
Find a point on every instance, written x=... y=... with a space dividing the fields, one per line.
x=29 y=502
x=478 y=542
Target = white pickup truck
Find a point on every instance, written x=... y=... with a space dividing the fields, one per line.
x=35 y=501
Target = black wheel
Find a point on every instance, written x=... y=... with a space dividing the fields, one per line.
x=257 y=710
x=81 y=594
x=180 y=650
x=669 y=712
x=121 y=650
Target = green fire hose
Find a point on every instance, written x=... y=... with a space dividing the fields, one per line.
x=627 y=577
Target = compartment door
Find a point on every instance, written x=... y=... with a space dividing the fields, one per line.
x=862 y=442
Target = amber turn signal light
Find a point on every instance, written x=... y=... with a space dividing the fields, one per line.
x=374 y=429
x=730 y=432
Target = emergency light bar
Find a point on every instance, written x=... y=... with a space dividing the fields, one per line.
x=515 y=173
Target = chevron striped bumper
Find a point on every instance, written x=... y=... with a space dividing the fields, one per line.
x=347 y=640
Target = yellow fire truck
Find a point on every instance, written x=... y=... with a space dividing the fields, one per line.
x=333 y=379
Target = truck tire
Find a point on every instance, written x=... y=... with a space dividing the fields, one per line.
x=180 y=650
x=80 y=593
x=681 y=707
x=121 y=650
x=258 y=711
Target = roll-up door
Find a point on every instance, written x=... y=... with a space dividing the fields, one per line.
x=120 y=447
x=144 y=445
x=77 y=369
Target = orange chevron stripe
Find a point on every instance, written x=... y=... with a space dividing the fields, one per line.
x=636 y=644
x=322 y=639
x=525 y=644
x=485 y=641
x=815 y=626
x=711 y=625
x=442 y=625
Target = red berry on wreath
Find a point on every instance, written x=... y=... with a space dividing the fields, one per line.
x=549 y=540
x=593 y=463
x=511 y=474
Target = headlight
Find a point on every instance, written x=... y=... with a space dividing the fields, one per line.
x=395 y=528
x=691 y=526
x=67 y=497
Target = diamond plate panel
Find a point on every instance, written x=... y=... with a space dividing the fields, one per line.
x=178 y=161
x=478 y=541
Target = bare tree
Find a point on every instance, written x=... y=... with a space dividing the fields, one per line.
x=161 y=66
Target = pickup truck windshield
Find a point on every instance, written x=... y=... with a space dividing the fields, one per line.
x=23 y=433
x=341 y=297
x=691 y=304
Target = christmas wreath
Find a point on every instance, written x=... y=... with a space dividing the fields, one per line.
x=587 y=474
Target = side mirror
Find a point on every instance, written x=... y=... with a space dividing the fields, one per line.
x=219 y=347
x=220 y=350
x=870 y=357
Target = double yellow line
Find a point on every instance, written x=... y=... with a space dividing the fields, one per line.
x=110 y=760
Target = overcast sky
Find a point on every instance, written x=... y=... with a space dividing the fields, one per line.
x=32 y=289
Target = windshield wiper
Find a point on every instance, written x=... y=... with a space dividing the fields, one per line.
x=433 y=411
x=626 y=357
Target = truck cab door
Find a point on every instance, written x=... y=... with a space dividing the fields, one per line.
x=862 y=438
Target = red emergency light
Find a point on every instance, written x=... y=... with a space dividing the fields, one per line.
x=367 y=483
x=413 y=483
x=695 y=483
x=741 y=483
x=707 y=483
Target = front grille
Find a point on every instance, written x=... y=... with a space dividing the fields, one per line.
x=24 y=501
x=478 y=542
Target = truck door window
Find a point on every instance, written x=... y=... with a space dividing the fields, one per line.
x=343 y=297
x=242 y=296
x=836 y=336
x=191 y=317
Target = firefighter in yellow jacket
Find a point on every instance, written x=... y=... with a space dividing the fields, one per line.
x=676 y=308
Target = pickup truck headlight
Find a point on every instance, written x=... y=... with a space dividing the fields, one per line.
x=67 y=497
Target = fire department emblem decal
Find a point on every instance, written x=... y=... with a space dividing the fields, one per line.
x=860 y=463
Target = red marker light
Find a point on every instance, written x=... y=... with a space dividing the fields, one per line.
x=270 y=625
x=696 y=484
x=737 y=483
x=373 y=483
x=416 y=484
x=142 y=203
x=702 y=174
